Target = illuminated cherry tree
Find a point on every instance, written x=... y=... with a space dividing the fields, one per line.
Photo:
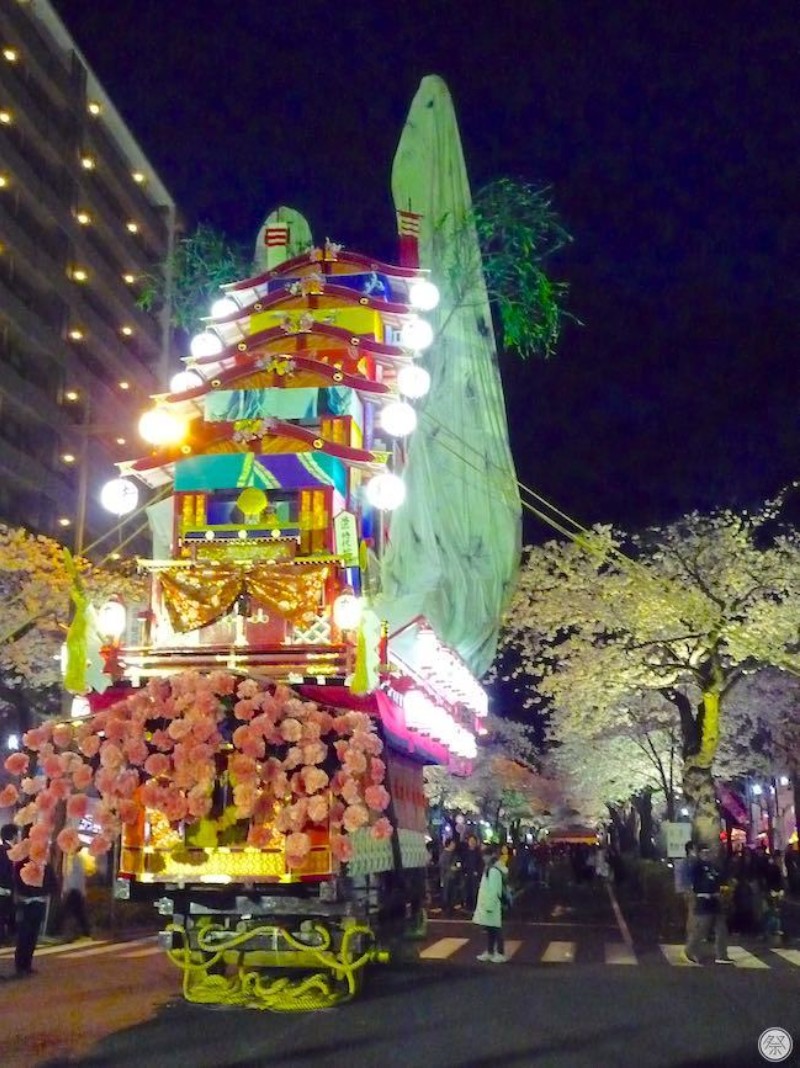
x=35 y=586
x=677 y=611
x=505 y=786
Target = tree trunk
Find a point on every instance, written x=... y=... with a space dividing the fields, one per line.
x=643 y=804
x=698 y=781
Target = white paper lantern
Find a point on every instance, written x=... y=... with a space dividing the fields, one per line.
x=347 y=610
x=120 y=496
x=185 y=380
x=398 y=418
x=386 y=491
x=423 y=295
x=160 y=426
x=413 y=381
x=224 y=307
x=206 y=344
x=112 y=619
x=416 y=334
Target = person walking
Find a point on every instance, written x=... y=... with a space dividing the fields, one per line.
x=490 y=904
x=684 y=873
x=8 y=836
x=31 y=910
x=709 y=914
x=472 y=867
x=449 y=875
x=73 y=894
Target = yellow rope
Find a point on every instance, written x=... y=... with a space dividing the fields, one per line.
x=247 y=986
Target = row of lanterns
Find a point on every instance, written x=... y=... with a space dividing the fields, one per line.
x=425 y=716
x=385 y=491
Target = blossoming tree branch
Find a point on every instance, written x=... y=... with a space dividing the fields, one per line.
x=684 y=614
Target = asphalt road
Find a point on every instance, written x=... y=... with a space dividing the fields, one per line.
x=565 y=999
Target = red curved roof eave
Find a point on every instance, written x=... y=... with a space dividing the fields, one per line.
x=318 y=257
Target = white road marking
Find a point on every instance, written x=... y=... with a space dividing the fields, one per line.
x=675 y=956
x=619 y=953
x=559 y=953
x=743 y=959
x=790 y=955
x=116 y=947
x=444 y=948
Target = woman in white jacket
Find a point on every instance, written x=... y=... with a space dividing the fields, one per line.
x=489 y=907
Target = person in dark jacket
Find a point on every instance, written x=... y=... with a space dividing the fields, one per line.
x=472 y=868
x=709 y=914
x=31 y=911
x=8 y=836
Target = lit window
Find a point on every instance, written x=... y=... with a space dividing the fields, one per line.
x=76 y=335
x=133 y=227
x=94 y=108
x=6 y=117
x=84 y=218
x=79 y=274
x=138 y=177
x=68 y=458
x=124 y=385
x=87 y=162
x=72 y=395
x=126 y=330
x=64 y=522
x=129 y=278
x=11 y=54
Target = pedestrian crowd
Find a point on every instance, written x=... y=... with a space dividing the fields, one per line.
x=742 y=892
x=24 y=909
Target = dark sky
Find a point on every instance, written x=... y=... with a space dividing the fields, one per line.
x=670 y=133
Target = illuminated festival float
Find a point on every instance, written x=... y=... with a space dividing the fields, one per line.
x=322 y=598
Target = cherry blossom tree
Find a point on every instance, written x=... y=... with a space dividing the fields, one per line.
x=35 y=587
x=678 y=611
x=505 y=788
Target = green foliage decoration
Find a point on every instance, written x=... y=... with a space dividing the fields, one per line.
x=202 y=261
x=518 y=230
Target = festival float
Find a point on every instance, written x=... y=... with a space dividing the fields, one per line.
x=257 y=748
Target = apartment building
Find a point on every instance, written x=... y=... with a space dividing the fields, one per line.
x=83 y=218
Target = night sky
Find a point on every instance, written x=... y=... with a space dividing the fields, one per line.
x=670 y=133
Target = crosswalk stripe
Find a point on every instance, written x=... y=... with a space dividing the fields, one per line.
x=114 y=948
x=790 y=955
x=445 y=947
x=559 y=953
x=618 y=953
x=675 y=956
x=148 y=951
x=511 y=948
x=47 y=951
x=743 y=959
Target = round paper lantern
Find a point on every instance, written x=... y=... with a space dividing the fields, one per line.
x=416 y=334
x=183 y=381
x=120 y=496
x=423 y=295
x=224 y=307
x=112 y=619
x=398 y=418
x=161 y=427
x=386 y=491
x=206 y=344
x=347 y=610
x=413 y=381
